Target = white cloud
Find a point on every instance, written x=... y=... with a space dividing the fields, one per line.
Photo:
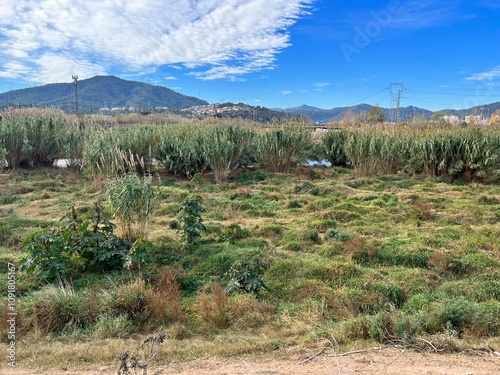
x=170 y=78
x=286 y=92
x=489 y=75
x=214 y=38
x=321 y=84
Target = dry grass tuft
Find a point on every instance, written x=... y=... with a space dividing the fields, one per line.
x=213 y=307
x=163 y=303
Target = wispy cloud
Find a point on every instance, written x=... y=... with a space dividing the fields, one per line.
x=320 y=85
x=493 y=4
x=483 y=76
x=170 y=78
x=420 y=14
x=404 y=16
x=211 y=38
x=286 y=92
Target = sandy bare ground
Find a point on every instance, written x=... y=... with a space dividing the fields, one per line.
x=374 y=362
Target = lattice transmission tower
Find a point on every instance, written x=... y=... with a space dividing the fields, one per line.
x=396 y=97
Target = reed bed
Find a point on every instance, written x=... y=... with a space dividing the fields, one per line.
x=467 y=153
x=37 y=137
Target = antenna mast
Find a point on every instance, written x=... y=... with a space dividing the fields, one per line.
x=75 y=83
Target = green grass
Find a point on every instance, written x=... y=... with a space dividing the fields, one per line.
x=348 y=256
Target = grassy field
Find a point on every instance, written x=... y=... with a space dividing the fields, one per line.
x=385 y=259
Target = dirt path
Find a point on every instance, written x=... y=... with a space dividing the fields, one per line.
x=386 y=362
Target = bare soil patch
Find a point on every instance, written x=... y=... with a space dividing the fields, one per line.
x=374 y=362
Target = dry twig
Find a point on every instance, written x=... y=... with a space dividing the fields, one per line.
x=347 y=353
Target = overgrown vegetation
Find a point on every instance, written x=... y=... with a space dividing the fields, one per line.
x=358 y=252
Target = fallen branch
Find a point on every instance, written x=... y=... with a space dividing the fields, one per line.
x=429 y=343
x=331 y=355
x=346 y=354
x=313 y=356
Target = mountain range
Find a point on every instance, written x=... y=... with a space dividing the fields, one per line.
x=406 y=113
x=98 y=92
x=334 y=114
x=113 y=92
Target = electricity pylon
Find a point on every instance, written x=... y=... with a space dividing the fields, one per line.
x=396 y=98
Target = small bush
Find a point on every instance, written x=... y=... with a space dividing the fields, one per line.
x=488 y=323
x=459 y=314
x=387 y=327
x=332 y=233
x=294 y=204
x=129 y=299
x=312 y=235
x=113 y=327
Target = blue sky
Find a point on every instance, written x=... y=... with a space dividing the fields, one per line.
x=274 y=53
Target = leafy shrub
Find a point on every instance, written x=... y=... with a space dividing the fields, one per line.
x=246 y=278
x=140 y=255
x=190 y=219
x=81 y=243
x=312 y=235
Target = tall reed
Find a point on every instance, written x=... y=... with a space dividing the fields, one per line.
x=133 y=201
x=181 y=150
x=284 y=145
x=225 y=147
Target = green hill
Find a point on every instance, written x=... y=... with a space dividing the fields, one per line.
x=99 y=92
